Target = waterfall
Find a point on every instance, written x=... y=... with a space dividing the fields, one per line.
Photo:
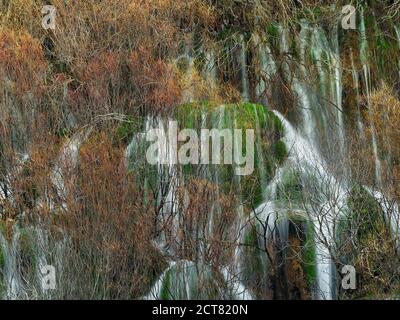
x=217 y=235
x=337 y=84
x=360 y=124
x=225 y=117
x=181 y=281
x=188 y=92
x=11 y=277
x=271 y=212
x=168 y=181
x=233 y=274
x=391 y=210
x=210 y=68
x=243 y=68
x=300 y=88
x=317 y=110
x=306 y=158
x=267 y=65
x=6 y=191
x=304 y=155
x=304 y=148
x=67 y=161
x=367 y=86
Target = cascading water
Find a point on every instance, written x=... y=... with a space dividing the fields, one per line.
x=223 y=117
x=20 y=281
x=301 y=89
x=317 y=111
x=338 y=91
x=265 y=200
x=267 y=65
x=66 y=163
x=244 y=69
x=305 y=155
x=306 y=158
x=210 y=68
x=360 y=124
x=11 y=277
x=367 y=85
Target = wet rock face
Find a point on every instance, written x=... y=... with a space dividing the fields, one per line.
x=288 y=279
x=284 y=268
x=297 y=287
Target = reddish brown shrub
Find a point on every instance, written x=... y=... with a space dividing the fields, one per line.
x=22 y=64
x=156 y=82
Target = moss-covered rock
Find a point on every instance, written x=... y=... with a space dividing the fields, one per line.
x=366 y=242
x=269 y=150
x=291 y=188
x=282 y=266
x=365 y=214
x=280 y=151
x=249 y=190
x=309 y=255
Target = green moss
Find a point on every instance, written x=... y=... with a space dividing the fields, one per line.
x=365 y=210
x=364 y=220
x=268 y=151
x=165 y=293
x=61 y=67
x=291 y=187
x=382 y=44
x=273 y=30
x=280 y=151
x=28 y=249
x=309 y=255
x=63 y=133
x=127 y=129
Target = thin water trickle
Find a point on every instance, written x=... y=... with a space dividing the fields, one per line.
x=244 y=68
x=367 y=85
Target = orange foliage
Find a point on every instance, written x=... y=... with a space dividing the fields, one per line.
x=385 y=114
x=111 y=228
x=22 y=63
x=101 y=72
x=156 y=82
